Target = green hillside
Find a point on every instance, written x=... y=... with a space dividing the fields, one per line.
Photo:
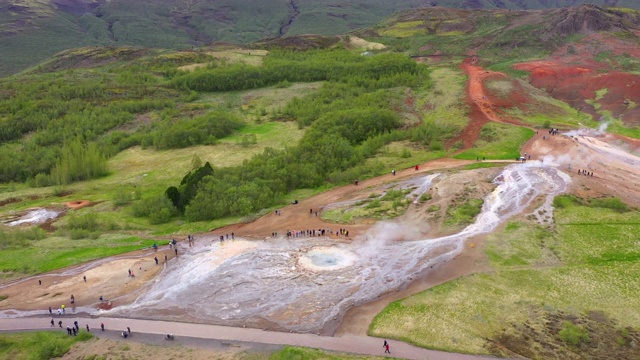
x=31 y=31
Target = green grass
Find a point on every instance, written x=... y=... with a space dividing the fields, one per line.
x=58 y=252
x=463 y=213
x=299 y=353
x=388 y=206
x=443 y=99
x=502 y=142
x=402 y=155
x=590 y=262
x=42 y=345
x=483 y=165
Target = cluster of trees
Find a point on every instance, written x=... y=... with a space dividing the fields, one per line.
x=315 y=65
x=199 y=130
x=348 y=121
x=43 y=118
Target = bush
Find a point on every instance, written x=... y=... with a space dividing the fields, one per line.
x=610 y=203
x=88 y=221
x=77 y=234
x=158 y=209
x=573 y=334
x=564 y=201
x=122 y=197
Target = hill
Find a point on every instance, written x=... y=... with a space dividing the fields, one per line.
x=31 y=31
x=583 y=55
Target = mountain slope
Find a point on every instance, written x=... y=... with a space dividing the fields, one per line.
x=33 y=30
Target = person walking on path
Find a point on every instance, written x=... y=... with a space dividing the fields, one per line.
x=84 y=278
x=156 y=259
x=102 y=326
x=88 y=328
x=53 y=323
x=50 y=311
x=129 y=331
x=386 y=349
x=60 y=324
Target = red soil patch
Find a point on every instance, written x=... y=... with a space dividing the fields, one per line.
x=572 y=76
x=574 y=85
x=78 y=204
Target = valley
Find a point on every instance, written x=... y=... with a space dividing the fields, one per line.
x=480 y=197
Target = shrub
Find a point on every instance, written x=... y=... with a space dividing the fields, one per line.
x=88 y=221
x=158 y=209
x=564 y=201
x=77 y=234
x=122 y=197
x=573 y=334
x=610 y=203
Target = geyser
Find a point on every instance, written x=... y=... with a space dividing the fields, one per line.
x=327 y=258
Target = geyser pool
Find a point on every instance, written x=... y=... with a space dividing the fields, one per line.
x=327 y=258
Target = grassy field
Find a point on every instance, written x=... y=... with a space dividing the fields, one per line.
x=498 y=142
x=59 y=252
x=591 y=263
x=43 y=345
x=298 y=353
x=443 y=99
x=389 y=205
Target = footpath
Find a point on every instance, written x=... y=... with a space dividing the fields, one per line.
x=364 y=345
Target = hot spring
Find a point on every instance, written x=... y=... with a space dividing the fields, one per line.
x=327 y=258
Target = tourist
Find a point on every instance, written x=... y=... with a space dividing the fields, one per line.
x=386 y=349
x=60 y=324
x=156 y=259
x=53 y=323
x=50 y=311
x=84 y=278
x=102 y=326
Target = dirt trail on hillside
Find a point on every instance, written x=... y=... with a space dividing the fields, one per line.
x=483 y=108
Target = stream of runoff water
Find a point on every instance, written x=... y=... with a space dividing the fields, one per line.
x=303 y=284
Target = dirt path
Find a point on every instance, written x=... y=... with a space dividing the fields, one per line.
x=302 y=216
x=350 y=344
